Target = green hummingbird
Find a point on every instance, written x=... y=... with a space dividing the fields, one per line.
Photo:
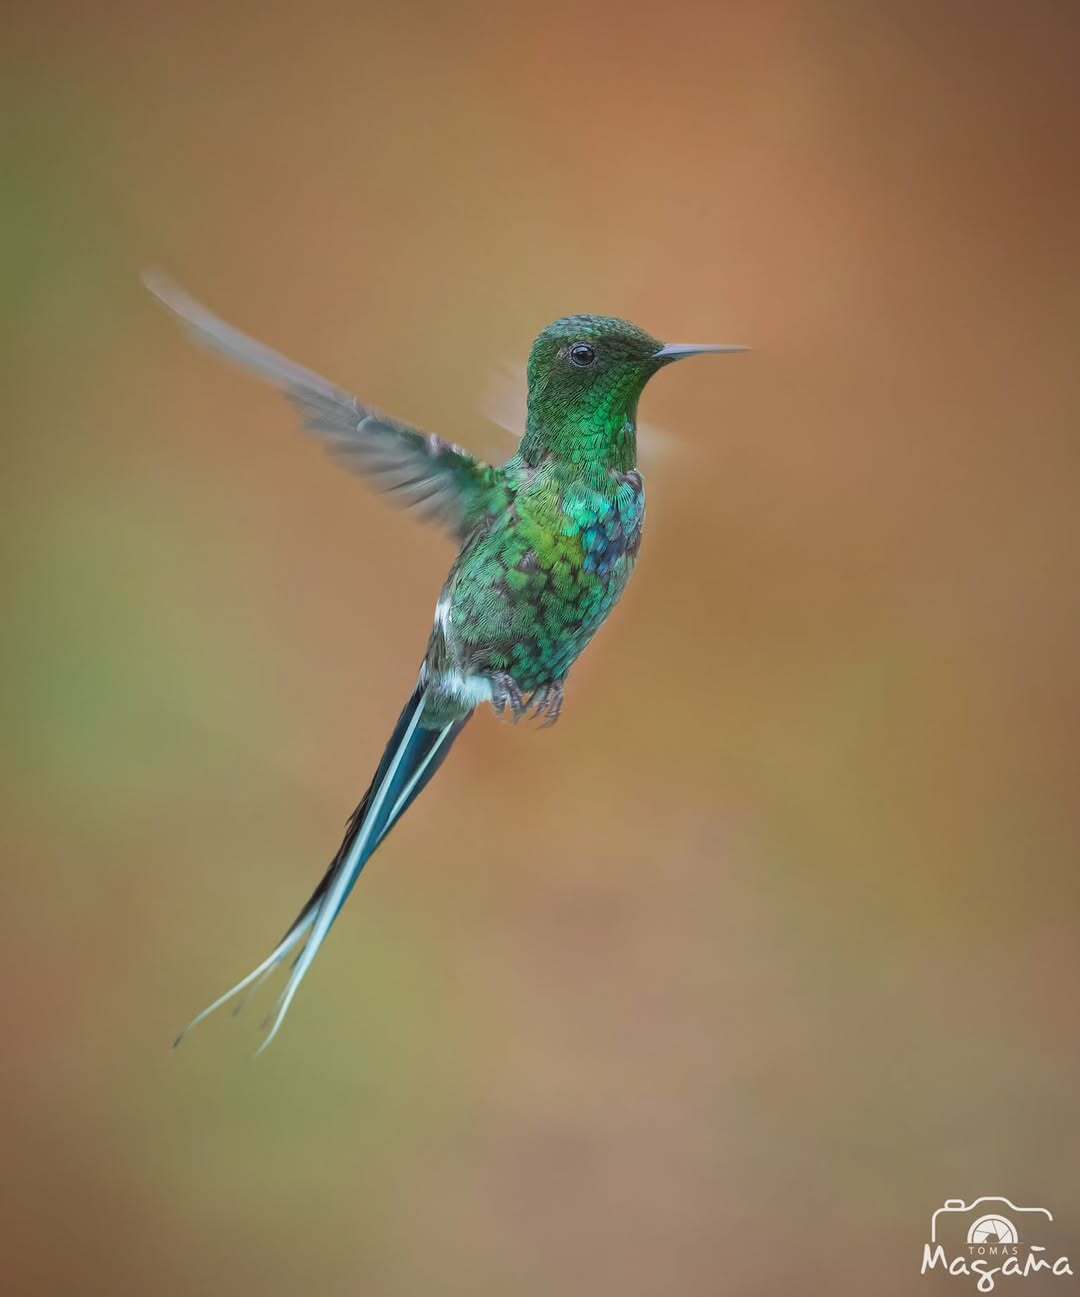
x=548 y=541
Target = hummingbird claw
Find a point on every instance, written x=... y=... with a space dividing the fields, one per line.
x=506 y=692
x=546 y=703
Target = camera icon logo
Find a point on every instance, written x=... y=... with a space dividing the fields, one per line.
x=994 y=1220
x=991 y=1238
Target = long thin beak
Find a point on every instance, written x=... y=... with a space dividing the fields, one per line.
x=679 y=350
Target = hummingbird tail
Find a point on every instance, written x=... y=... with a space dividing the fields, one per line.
x=415 y=751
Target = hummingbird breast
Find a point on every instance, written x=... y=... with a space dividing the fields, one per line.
x=528 y=592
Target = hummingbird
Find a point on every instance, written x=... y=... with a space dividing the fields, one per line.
x=547 y=544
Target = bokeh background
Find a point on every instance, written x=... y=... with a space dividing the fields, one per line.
x=771 y=945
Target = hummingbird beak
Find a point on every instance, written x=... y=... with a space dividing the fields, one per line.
x=680 y=350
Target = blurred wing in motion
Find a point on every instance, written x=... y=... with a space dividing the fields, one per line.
x=442 y=481
x=506 y=398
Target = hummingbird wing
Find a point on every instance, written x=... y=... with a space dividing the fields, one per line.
x=442 y=481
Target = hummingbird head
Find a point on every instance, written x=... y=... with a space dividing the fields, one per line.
x=586 y=373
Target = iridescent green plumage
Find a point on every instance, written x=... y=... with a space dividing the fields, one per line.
x=535 y=582
x=531 y=588
x=548 y=543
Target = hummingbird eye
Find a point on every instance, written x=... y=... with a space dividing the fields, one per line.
x=582 y=355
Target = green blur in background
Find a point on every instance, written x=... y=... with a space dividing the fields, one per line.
x=729 y=980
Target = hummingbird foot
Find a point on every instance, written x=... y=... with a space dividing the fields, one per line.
x=546 y=703
x=505 y=692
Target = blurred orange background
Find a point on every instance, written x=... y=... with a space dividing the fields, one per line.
x=728 y=981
